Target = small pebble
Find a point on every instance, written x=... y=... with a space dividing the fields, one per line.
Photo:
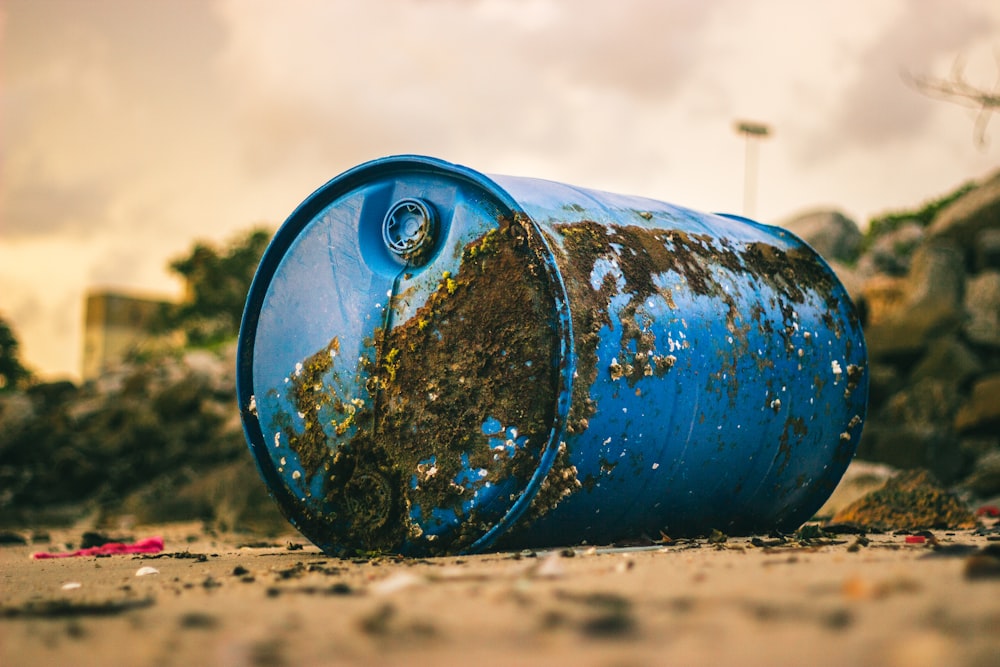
x=985 y=564
x=71 y=585
x=143 y=571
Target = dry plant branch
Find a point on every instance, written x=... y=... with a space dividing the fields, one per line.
x=957 y=90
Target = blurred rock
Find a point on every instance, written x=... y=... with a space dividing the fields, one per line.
x=966 y=217
x=910 y=446
x=984 y=481
x=160 y=439
x=949 y=360
x=981 y=413
x=849 y=278
x=883 y=297
x=913 y=430
x=931 y=299
x=230 y=497
x=987 y=250
x=982 y=304
x=892 y=252
x=884 y=380
x=976 y=446
x=830 y=233
x=931 y=303
x=16 y=409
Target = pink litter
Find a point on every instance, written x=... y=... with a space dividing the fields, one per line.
x=150 y=545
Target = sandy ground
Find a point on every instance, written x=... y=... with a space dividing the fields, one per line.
x=217 y=601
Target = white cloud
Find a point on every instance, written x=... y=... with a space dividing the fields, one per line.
x=133 y=128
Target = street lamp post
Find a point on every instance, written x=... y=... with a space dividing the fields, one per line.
x=753 y=132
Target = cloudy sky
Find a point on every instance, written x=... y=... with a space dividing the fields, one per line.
x=130 y=128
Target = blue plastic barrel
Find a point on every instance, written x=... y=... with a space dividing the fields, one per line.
x=433 y=360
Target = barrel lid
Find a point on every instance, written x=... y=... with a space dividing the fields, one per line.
x=405 y=360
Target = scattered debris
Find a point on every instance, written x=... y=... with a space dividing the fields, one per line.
x=717 y=537
x=863 y=588
x=62 y=608
x=912 y=500
x=201 y=558
x=198 y=621
x=377 y=622
x=846 y=528
x=550 y=567
x=395 y=583
x=91 y=539
x=146 y=571
x=9 y=538
x=985 y=564
x=146 y=546
x=950 y=550
x=859 y=542
x=71 y=585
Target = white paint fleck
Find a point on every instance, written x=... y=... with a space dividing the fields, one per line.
x=296 y=474
x=253 y=405
x=277 y=439
x=298 y=368
x=655 y=466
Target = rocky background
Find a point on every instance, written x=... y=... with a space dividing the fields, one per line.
x=928 y=285
x=160 y=439
x=154 y=441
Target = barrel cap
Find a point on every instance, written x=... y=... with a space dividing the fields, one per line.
x=404 y=360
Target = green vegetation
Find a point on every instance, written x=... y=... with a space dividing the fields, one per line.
x=889 y=222
x=13 y=375
x=217 y=280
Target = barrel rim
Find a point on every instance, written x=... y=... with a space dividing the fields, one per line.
x=282 y=241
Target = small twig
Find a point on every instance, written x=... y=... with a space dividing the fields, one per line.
x=957 y=90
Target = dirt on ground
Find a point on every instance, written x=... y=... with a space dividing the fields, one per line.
x=814 y=598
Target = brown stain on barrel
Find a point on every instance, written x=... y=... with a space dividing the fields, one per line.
x=483 y=345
